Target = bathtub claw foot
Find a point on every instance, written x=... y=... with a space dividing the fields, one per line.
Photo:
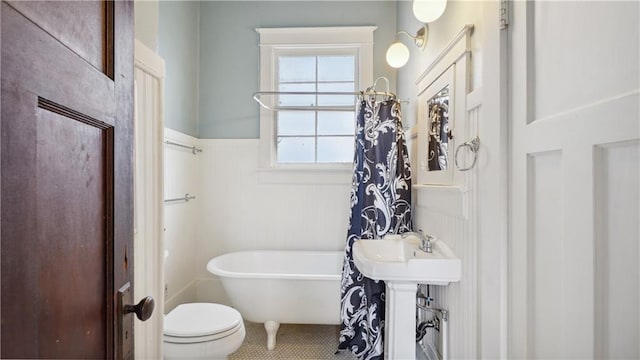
x=272 y=329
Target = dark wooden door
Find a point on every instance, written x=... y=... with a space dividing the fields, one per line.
x=66 y=178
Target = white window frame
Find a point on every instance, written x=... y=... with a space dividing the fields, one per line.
x=278 y=40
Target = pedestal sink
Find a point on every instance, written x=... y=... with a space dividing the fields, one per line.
x=402 y=265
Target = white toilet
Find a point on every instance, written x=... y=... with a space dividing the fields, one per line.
x=202 y=331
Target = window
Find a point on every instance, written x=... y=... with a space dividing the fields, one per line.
x=315 y=128
x=311 y=132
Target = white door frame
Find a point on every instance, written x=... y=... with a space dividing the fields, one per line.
x=492 y=194
x=148 y=205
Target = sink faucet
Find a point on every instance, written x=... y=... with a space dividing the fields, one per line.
x=425 y=240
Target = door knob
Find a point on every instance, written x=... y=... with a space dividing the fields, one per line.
x=143 y=309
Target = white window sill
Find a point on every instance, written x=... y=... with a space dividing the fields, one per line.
x=301 y=174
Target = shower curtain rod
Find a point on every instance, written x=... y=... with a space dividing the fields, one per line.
x=257 y=95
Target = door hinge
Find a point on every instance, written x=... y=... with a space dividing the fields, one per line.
x=504 y=14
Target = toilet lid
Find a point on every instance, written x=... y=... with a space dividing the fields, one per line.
x=200 y=319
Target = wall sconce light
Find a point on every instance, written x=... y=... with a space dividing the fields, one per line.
x=426 y=11
x=398 y=53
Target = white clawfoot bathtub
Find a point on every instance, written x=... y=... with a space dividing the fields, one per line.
x=276 y=286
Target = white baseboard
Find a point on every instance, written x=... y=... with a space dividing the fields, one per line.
x=186 y=295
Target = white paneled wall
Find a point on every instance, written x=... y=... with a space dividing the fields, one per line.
x=545 y=252
x=449 y=213
x=487 y=73
x=238 y=211
x=617 y=266
x=574 y=182
x=235 y=210
x=181 y=175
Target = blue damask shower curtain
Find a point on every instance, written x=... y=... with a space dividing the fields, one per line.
x=380 y=205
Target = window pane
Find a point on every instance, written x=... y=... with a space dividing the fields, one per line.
x=296 y=123
x=296 y=68
x=336 y=68
x=336 y=123
x=296 y=149
x=297 y=100
x=338 y=100
x=335 y=149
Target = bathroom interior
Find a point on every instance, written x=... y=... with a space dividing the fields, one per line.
x=539 y=200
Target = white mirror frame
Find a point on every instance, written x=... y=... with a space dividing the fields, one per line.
x=452 y=66
x=438 y=177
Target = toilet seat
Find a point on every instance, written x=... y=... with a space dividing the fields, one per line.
x=199 y=339
x=201 y=322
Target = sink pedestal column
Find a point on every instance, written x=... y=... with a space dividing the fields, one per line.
x=400 y=320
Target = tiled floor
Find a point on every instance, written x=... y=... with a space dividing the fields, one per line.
x=300 y=342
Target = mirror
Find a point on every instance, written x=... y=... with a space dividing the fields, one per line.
x=438 y=131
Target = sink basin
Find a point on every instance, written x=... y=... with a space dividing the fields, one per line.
x=402 y=265
x=401 y=260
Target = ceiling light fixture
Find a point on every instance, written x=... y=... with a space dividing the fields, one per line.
x=428 y=10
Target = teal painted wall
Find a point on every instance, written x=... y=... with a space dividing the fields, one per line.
x=229 y=52
x=178 y=45
x=146 y=22
x=212 y=58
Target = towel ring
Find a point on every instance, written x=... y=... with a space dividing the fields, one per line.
x=473 y=145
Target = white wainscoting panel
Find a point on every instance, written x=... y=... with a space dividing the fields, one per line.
x=574 y=183
x=617 y=251
x=237 y=211
x=449 y=213
x=449 y=200
x=545 y=253
x=182 y=174
x=186 y=294
x=211 y=290
x=558 y=80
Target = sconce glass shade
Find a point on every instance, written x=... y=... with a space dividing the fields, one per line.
x=397 y=55
x=428 y=10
